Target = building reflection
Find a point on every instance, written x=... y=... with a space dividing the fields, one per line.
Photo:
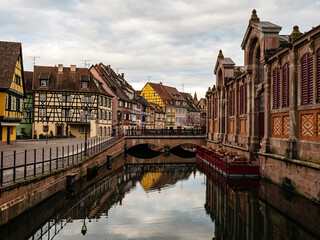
x=94 y=202
x=241 y=210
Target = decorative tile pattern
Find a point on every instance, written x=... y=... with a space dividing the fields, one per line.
x=286 y=127
x=215 y=126
x=243 y=126
x=231 y=126
x=277 y=125
x=307 y=125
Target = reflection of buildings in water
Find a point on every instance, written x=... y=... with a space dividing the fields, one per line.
x=264 y=213
x=98 y=199
x=165 y=176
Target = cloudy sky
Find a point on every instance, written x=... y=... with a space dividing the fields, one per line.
x=175 y=42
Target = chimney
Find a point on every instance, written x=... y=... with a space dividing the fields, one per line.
x=160 y=83
x=122 y=75
x=108 y=66
x=60 y=68
x=73 y=68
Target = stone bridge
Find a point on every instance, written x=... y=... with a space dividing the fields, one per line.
x=165 y=141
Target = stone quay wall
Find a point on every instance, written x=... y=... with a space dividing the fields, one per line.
x=299 y=176
x=21 y=196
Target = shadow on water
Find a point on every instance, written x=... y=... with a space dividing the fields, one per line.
x=257 y=209
x=146 y=151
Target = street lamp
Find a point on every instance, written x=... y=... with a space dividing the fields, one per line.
x=84 y=227
x=86 y=112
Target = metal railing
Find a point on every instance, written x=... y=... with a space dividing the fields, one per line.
x=37 y=162
x=165 y=132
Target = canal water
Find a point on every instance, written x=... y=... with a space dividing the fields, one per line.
x=168 y=197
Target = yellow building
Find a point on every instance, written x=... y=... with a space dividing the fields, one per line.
x=11 y=90
x=168 y=98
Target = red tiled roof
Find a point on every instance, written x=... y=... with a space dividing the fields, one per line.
x=116 y=83
x=161 y=91
x=9 y=53
x=67 y=81
x=28 y=80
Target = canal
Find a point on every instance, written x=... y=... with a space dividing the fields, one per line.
x=168 y=197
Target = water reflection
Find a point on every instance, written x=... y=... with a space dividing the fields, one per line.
x=241 y=209
x=168 y=198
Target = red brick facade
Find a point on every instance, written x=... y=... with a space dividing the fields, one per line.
x=271 y=105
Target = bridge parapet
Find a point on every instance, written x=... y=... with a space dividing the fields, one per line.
x=165 y=132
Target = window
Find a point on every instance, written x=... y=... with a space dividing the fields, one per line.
x=276 y=88
x=42 y=112
x=231 y=103
x=86 y=99
x=105 y=115
x=17 y=79
x=243 y=99
x=215 y=107
x=109 y=113
x=43 y=97
x=84 y=84
x=109 y=105
x=318 y=76
x=45 y=128
x=306 y=79
x=43 y=83
x=285 y=85
x=18 y=105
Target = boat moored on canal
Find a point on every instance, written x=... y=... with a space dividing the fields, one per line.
x=228 y=164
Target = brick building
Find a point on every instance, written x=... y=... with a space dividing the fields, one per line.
x=270 y=107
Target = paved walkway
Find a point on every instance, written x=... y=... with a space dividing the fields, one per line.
x=62 y=152
x=28 y=145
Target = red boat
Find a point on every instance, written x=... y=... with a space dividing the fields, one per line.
x=227 y=164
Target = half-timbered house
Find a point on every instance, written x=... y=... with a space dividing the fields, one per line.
x=12 y=90
x=69 y=101
x=170 y=101
x=124 y=113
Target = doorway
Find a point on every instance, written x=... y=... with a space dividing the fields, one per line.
x=8 y=134
x=59 y=130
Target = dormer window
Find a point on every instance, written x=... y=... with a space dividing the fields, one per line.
x=84 y=81
x=43 y=83
x=84 y=84
x=44 y=79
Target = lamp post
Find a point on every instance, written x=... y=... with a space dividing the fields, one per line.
x=86 y=112
x=84 y=227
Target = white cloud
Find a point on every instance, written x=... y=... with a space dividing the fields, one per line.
x=172 y=41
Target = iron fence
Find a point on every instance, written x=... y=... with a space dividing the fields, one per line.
x=36 y=162
x=165 y=132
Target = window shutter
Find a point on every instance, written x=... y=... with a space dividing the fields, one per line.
x=307 y=79
x=318 y=76
x=285 y=85
x=276 y=88
x=245 y=98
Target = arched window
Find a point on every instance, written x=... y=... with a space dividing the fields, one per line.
x=318 y=76
x=276 y=88
x=307 y=79
x=285 y=85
